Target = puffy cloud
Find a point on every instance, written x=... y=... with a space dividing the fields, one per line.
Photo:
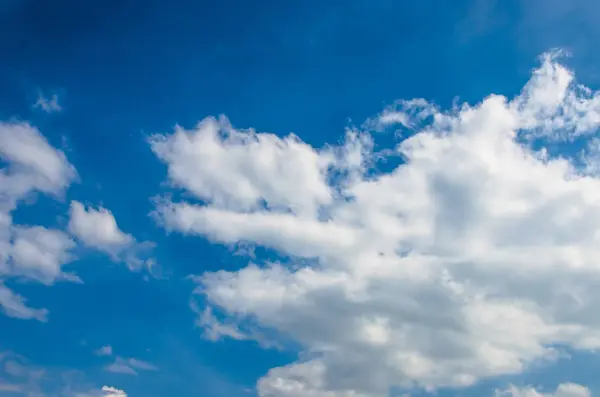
x=39 y=253
x=473 y=258
x=31 y=165
x=98 y=229
x=232 y=177
x=563 y=390
x=110 y=391
x=105 y=391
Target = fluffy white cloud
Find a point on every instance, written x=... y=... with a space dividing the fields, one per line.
x=97 y=228
x=31 y=165
x=473 y=258
x=105 y=391
x=563 y=390
x=231 y=176
x=110 y=391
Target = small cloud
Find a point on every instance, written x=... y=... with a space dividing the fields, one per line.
x=113 y=392
x=143 y=365
x=119 y=367
x=97 y=228
x=105 y=351
x=48 y=105
x=129 y=366
x=14 y=305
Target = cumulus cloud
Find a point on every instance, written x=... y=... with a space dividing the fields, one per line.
x=105 y=391
x=563 y=390
x=110 y=391
x=475 y=257
x=33 y=165
x=30 y=166
x=97 y=228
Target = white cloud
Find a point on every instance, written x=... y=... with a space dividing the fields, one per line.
x=113 y=392
x=563 y=390
x=14 y=305
x=48 y=105
x=19 y=375
x=98 y=229
x=105 y=391
x=105 y=351
x=471 y=259
x=39 y=253
x=121 y=365
x=232 y=177
x=215 y=329
x=129 y=366
x=31 y=165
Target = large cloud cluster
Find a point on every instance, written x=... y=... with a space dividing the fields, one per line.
x=475 y=257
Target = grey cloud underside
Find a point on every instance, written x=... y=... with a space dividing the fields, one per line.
x=467 y=261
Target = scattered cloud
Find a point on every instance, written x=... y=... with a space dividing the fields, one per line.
x=30 y=166
x=474 y=258
x=18 y=375
x=122 y=365
x=48 y=105
x=113 y=392
x=14 y=305
x=105 y=351
x=33 y=165
x=129 y=366
x=97 y=228
x=215 y=329
x=563 y=390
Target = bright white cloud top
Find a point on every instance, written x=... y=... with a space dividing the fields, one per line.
x=475 y=257
x=97 y=228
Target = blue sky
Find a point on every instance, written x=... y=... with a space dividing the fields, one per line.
x=126 y=206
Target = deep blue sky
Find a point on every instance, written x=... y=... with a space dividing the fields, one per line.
x=124 y=69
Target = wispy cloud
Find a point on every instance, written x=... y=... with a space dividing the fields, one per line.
x=105 y=351
x=129 y=366
x=121 y=365
x=48 y=105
